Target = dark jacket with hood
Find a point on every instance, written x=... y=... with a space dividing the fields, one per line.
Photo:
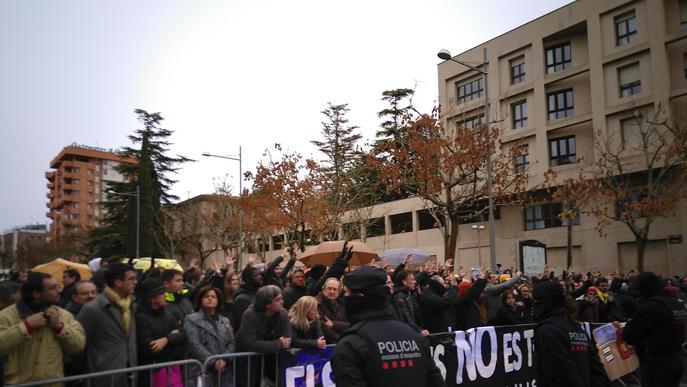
x=506 y=314
x=292 y=293
x=245 y=294
x=566 y=355
x=436 y=303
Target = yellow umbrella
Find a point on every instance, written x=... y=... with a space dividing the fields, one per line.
x=163 y=263
x=326 y=252
x=58 y=266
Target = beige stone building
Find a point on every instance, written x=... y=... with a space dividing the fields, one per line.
x=553 y=84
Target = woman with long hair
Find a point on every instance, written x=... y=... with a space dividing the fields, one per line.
x=306 y=330
x=230 y=285
x=209 y=333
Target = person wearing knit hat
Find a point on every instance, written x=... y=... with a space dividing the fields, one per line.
x=158 y=333
x=564 y=351
x=378 y=350
x=657 y=329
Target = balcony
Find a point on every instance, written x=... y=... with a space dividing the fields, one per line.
x=50 y=175
x=49 y=215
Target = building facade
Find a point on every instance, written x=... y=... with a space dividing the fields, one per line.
x=22 y=237
x=554 y=84
x=76 y=187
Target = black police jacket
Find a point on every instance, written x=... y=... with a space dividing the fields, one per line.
x=566 y=356
x=658 y=325
x=378 y=351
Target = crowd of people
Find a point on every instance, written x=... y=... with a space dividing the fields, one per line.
x=123 y=317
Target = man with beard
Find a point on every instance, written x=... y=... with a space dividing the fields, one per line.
x=84 y=292
x=378 y=350
x=658 y=330
x=251 y=281
x=35 y=333
x=565 y=353
x=295 y=290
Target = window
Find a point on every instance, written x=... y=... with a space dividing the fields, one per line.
x=626 y=28
x=472 y=122
x=522 y=161
x=545 y=216
x=517 y=71
x=683 y=13
x=401 y=223
x=519 y=112
x=558 y=58
x=562 y=151
x=629 y=79
x=376 y=227
x=426 y=221
x=277 y=242
x=478 y=213
x=470 y=90
x=631 y=137
x=561 y=104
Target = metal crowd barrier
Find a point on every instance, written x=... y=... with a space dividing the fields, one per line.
x=191 y=370
x=252 y=364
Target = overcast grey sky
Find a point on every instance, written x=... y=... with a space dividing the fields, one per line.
x=223 y=74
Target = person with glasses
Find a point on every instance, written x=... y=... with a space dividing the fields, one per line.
x=36 y=334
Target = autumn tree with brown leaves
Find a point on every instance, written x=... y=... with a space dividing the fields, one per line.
x=638 y=176
x=293 y=194
x=447 y=168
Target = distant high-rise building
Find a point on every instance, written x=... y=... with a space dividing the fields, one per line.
x=77 y=187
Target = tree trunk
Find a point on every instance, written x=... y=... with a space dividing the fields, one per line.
x=452 y=238
x=641 y=246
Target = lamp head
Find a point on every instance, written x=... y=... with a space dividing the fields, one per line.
x=206 y=154
x=444 y=54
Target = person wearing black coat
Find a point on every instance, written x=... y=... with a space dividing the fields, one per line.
x=295 y=290
x=274 y=274
x=524 y=300
x=469 y=311
x=251 y=281
x=507 y=311
x=306 y=329
x=566 y=355
x=436 y=303
x=658 y=330
x=402 y=300
x=158 y=333
x=264 y=329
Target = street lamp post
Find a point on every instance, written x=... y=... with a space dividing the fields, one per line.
x=479 y=241
x=137 y=194
x=446 y=55
x=238 y=158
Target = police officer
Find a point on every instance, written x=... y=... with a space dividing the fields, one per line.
x=564 y=351
x=378 y=350
x=657 y=329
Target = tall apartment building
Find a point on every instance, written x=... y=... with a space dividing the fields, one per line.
x=77 y=186
x=553 y=83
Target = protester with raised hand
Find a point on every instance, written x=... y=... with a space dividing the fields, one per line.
x=251 y=281
x=36 y=334
x=305 y=324
x=274 y=274
x=470 y=310
x=210 y=333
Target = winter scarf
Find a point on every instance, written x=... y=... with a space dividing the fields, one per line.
x=124 y=305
